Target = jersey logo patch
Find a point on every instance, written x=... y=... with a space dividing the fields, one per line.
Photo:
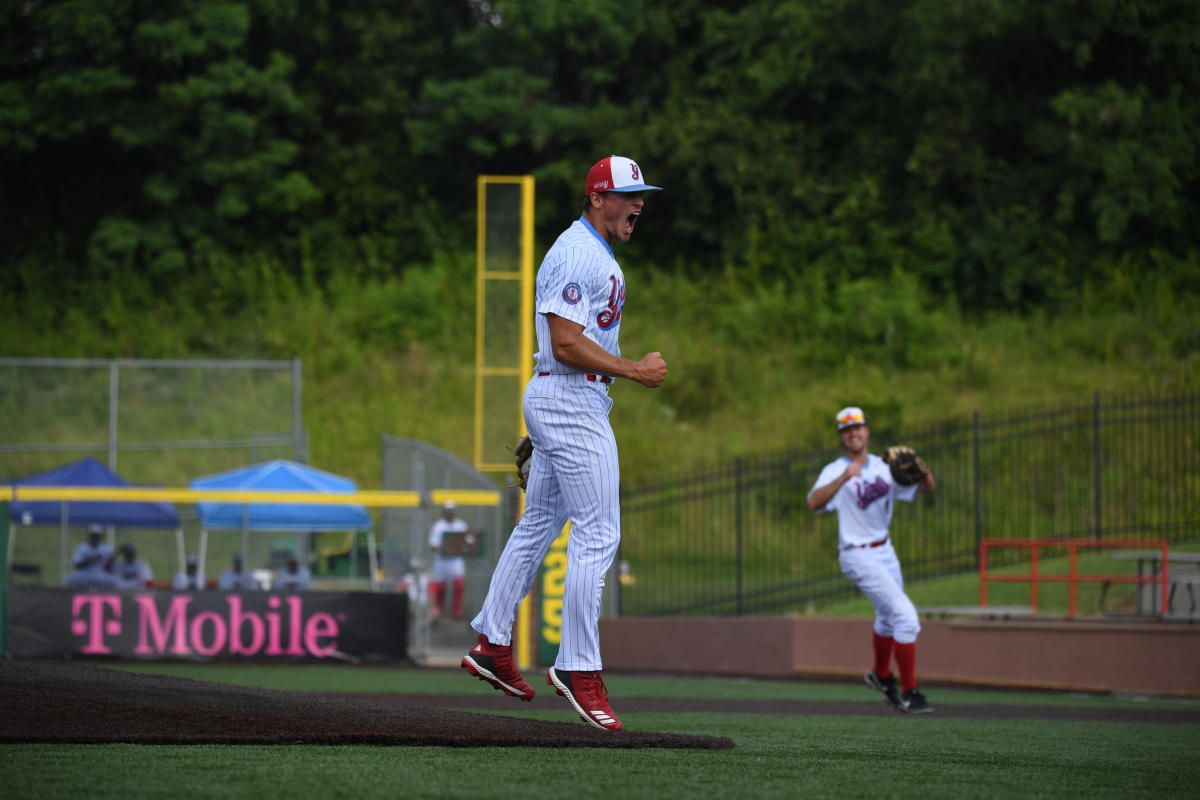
x=572 y=293
x=870 y=492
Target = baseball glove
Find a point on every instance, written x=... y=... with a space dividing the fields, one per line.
x=522 y=455
x=907 y=467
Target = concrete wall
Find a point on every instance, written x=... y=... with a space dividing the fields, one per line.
x=1086 y=656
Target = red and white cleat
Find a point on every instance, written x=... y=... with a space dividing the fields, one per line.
x=586 y=692
x=494 y=664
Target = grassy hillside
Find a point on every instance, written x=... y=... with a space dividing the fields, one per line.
x=753 y=365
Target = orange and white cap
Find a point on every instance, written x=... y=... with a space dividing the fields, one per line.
x=849 y=417
x=617 y=174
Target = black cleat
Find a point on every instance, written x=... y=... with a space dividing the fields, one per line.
x=888 y=686
x=913 y=702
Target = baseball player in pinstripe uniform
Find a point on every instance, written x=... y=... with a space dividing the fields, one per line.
x=860 y=488
x=574 y=471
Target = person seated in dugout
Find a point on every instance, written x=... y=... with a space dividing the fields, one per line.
x=236 y=578
x=132 y=572
x=293 y=577
x=191 y=578
x=93 y=561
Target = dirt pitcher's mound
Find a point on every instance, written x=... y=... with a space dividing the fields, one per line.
x=59 y=702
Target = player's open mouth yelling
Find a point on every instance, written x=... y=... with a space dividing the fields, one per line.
x=630 y=221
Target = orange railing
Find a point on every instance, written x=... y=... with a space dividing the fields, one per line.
x=1072 y=578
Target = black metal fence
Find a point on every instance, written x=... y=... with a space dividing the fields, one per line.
x=741 y=540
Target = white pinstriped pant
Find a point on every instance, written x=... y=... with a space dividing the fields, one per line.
x=574 y=474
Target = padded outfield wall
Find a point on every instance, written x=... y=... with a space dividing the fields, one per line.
x=1157 y=658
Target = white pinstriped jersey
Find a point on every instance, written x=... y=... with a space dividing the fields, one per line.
x=574 y=472
x=579 y=280
x=864 y=503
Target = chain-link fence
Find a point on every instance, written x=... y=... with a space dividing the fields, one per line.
x=154 y=422
x=406 y=558
x=741 y=540
x=150 y=420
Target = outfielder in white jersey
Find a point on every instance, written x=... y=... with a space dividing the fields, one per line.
x=859 y=487
x=574 y=472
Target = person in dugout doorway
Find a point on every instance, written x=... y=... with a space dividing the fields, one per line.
x=447 y=566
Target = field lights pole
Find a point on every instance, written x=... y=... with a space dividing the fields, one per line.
x=298 y=448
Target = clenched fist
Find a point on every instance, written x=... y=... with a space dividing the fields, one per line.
x=651 y=370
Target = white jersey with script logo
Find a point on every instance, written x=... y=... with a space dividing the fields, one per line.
x=579 y=280
x=864 y=503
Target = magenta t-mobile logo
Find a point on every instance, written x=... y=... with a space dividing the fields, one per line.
x=170 y=624
x=91 y=623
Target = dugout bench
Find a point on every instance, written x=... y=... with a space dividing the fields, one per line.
x=976 y=612
x=1183 y=572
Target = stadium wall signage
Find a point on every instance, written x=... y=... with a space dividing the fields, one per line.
x=209 y=624
x=552 y=579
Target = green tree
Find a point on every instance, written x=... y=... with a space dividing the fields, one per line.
x=146 y=137
x=1003 y=152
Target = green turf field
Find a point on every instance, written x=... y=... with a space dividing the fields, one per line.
x=340 y=678
x=776 y=755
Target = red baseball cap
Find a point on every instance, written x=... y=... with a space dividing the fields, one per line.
x=617 y=174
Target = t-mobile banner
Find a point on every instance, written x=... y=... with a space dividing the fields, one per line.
x=209 y=624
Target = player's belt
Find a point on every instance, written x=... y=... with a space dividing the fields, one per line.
x=592 y=377
x=878 y=543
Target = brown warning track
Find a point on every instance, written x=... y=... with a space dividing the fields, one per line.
x=871 y=707
x=59 y=702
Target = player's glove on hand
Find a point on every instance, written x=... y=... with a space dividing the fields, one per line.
x=907 y=467
x=522 y=455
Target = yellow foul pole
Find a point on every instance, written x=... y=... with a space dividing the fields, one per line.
x=525 y=625
x=503 y=365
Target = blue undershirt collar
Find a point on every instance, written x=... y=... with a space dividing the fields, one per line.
x=599 y=238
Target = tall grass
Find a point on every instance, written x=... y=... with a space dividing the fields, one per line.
x=754 y=366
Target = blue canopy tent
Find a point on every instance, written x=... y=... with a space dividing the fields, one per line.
x=85 y=472
x=281 y=475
